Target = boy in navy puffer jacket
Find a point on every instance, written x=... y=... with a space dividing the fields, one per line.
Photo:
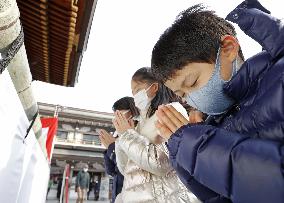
x=237 y=154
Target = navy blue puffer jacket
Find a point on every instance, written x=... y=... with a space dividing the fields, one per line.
x=240 y=156
x=111 y=169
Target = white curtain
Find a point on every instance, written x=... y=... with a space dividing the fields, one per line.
x=24 y=171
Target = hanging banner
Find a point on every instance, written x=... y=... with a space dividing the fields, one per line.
x=49 y=129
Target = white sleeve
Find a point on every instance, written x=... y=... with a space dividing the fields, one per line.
x=121 y=158
x=148 y=156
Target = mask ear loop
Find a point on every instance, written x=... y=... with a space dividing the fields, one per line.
x=149 y=87
x=125 y=112
x=218 y=60
x=146 y=90
x=128 y=119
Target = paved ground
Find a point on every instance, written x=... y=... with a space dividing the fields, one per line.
x=72 y=197
x=74 y=201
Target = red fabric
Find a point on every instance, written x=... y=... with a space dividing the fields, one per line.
x=52 y=124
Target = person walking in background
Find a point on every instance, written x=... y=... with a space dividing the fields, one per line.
x=59 y=185
x=91 y=186
x=127 y=106
x=82 y=184
x=50 y=183
x=141 y=155
x=97 y=189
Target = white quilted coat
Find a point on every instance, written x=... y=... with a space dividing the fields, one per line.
x=148 y=176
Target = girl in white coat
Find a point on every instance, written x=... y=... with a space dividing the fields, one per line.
x=141 y=154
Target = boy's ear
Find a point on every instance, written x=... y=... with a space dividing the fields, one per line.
x=156 y=87
x=230 y=47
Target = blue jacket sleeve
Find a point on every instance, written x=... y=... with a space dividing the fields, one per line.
x=232 y=165
x=256 y=22
x=203 y=193
x=110 y=160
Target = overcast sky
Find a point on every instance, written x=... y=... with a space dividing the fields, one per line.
x=122 y=36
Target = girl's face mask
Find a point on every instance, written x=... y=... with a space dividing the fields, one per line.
x=141 y=99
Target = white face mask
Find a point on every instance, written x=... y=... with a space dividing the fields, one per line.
x=141 y=99
x=115 y=134
x=85 y=169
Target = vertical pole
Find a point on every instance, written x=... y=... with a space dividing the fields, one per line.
x=67 y=168
x=18 y=68
x=104 y=188
x=61 y=199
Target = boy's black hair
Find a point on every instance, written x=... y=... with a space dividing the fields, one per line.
x=164 y=95
x=126 y=103
x=195 y=36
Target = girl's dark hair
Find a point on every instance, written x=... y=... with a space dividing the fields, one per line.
x=126 y=103
x=164 y=95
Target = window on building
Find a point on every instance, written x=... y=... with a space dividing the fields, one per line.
x=91 y=139
x=62 y=134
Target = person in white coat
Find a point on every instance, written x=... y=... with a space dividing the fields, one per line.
x=141 y=153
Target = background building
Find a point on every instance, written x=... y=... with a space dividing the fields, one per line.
x=77 y=141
